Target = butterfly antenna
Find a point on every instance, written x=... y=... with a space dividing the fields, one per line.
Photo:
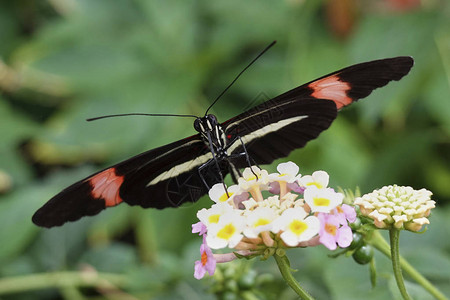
x=251 y=63
x=140 y=114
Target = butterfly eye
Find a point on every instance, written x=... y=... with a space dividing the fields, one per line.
x=197 y=125
x=212 y=119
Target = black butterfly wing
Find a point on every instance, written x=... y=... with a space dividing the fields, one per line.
x=274 y=128
x=172 y=179
x=163 y=177
x=353 y=83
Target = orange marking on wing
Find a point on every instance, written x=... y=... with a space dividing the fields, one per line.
x=333 y=89
x=105 y=185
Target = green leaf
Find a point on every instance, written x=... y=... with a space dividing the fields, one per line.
x=17 y=131
x=114 y=258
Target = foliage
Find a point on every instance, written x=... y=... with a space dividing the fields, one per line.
x=64 y=61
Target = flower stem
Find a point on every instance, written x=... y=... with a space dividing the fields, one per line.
x=59 y=280
x=381 y=245
x=394 y=236
x=285 y=269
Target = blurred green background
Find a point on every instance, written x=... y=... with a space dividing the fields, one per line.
x=62 y=61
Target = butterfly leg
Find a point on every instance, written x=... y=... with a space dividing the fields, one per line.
x=234 y=172
x=200 y=169
x=245 y=153
x=247 y=157
x=216 y=161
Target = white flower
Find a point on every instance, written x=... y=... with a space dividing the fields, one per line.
x=295 y=227
x=286 y=172
x=318 y=179
x=322 y=200
x=259 y=220
x=218 y=193
x=289 y=201
x=227 y=232
x=213 y=214
x=417 y=224
x=399 y=220
x=250 y=204
x=249 y=180
x=397 y=206
x=272 y=201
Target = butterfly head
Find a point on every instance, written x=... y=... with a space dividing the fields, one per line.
x=206 y=123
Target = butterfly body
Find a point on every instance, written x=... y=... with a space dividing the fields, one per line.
x=212 y=134
x=183 y=171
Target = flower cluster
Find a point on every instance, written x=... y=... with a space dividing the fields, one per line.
x=400 y=207
x=269 y=211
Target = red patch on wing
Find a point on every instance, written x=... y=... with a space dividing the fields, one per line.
x=106 y=185
x=333 y=89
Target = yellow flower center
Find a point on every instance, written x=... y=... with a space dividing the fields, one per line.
x=318 y=185
x=224 y=197
x=331 y=229
x=214 y=218
x=321 y=201
x=226 y=232
x=261 y=222
x=339 y=210
x=251 y=178
x=298 y=227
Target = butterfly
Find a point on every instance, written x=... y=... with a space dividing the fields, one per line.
x=184 y=170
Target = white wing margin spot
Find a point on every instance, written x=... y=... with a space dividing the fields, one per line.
x=264 y=130
x=181 y=168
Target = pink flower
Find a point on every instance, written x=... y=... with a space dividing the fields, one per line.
x=199 y=227
x=350 y=212
x=345 y=213
x=238 y=199
x=207 y=263
x=274 y=187
x=293 y=186
x=331 y=232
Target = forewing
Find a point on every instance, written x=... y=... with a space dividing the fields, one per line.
x=121 y=183
x=173 y=179
x=272 y=129
x=353 y=83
